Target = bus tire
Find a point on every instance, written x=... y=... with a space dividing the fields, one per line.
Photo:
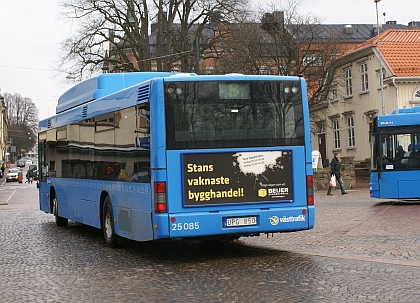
x=108 y=229
x=59 y=221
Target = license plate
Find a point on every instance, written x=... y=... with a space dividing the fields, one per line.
x=243 y=221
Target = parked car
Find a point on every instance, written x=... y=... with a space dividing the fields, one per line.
x=12 y=174
x=28 y=161
x=20 y=163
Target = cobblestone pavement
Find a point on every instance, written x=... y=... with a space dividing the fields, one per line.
x=361 y=250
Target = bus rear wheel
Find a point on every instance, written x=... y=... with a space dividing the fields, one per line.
x=111 y=239
x=59 y=221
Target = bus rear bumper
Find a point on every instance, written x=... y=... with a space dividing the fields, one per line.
x=223 y=223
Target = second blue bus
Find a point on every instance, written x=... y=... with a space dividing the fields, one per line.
x=395 y=157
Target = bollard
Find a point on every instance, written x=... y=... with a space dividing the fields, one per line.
x=20 y=177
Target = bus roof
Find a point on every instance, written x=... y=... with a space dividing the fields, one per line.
x=400 y=117
x=100 y=86
x=415 y=109
x=106 y=84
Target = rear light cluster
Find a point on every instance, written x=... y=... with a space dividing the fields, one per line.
x=310 y=190
x=160 y=197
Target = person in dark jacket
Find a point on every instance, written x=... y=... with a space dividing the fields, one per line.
x=335 y=170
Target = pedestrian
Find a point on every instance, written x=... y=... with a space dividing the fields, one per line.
x=2 y=170
x=335 y=170
x=28 y=177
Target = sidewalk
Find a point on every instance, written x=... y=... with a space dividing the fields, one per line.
x=355 y=226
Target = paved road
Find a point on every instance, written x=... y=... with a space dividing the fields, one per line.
x=361 y=250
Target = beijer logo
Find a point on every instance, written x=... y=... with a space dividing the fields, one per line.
x=276 y=191
x=262 y=192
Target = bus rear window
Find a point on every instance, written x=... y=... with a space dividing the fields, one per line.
x=233 y=114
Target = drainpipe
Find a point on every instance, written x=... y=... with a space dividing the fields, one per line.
x=396 y=93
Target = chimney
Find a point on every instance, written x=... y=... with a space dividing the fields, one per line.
x=348 y=29
x=374 y=31
x=279 y=17
x=414 y=25
x=391 y=22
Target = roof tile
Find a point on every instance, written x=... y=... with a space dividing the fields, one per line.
x=400 y=50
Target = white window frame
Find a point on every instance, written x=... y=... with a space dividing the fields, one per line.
x=263 y=70
x=415 y=100
x=312 y=60
x=364 y=77
x=378 y=73
x=209 y=70
x=348 y=86
x=351 y=138
x=416 y=94
x=334 y=93
x=336 y=132
x=320 y=126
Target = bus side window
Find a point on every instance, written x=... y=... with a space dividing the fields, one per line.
x=141 y=173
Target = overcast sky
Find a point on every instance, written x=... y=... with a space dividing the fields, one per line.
x=31 y=33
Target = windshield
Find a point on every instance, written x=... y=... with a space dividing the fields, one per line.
x=233 y=114
x=399 y=148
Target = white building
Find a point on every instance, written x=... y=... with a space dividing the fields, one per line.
x=344 y=123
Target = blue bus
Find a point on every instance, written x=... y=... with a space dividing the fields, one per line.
x=149 y=156
x=395 y=155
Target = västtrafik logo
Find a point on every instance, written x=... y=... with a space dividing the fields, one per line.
x=274 y=220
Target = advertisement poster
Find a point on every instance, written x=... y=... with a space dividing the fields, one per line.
x=242 y=177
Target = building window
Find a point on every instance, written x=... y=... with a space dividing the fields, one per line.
x=416 y=97
x=336 y=133
x=264 y=70
x=351 y=141
x=379 y=77
x=334 y=93
x=320 y=127
x=209 y=70
x=364 y=77
x=312 y=60
x=348 y=82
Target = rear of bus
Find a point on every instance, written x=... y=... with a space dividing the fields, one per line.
x=233 y=158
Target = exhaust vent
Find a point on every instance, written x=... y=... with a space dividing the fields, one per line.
x=143 y=93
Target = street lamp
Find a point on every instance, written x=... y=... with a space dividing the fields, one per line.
x=380 y=58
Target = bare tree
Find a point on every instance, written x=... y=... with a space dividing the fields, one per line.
x=23 y=120
x=106 y=30
x=283 y=43
x=113 y=35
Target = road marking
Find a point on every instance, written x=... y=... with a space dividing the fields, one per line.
x=8 y=199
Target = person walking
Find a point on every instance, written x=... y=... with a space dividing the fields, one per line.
x=29 y=177
x=335 y=170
